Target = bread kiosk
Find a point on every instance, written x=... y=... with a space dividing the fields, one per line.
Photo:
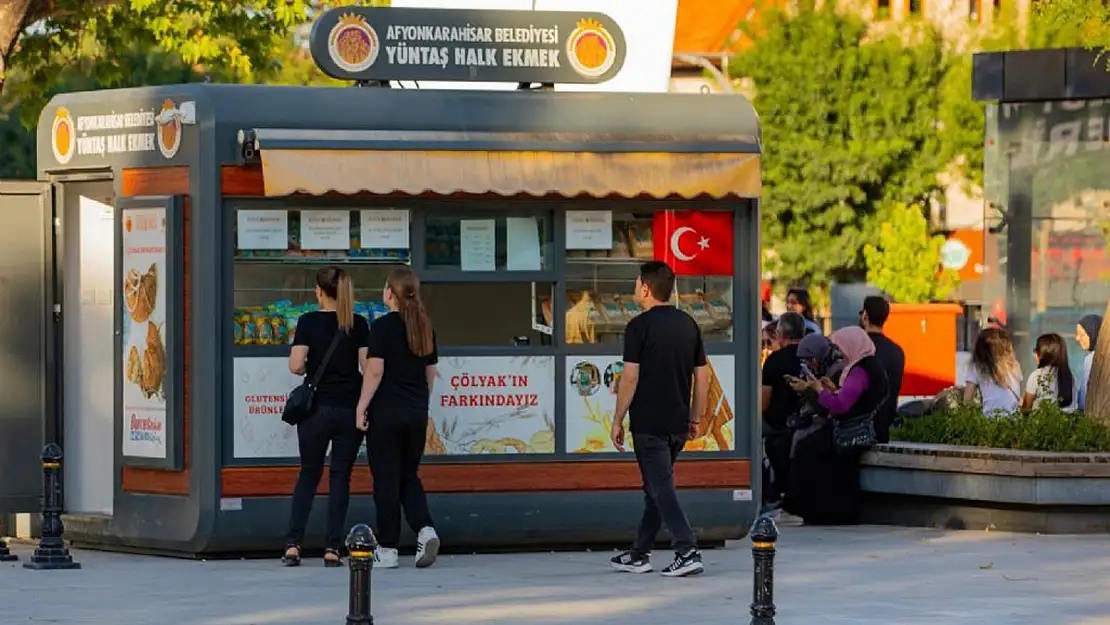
x=526 y=213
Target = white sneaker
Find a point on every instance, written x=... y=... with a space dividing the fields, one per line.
x=385 y=558
x=427 y=547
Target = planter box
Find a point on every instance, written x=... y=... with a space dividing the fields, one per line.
x=923 y=485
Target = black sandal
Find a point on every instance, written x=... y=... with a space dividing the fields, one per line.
x=331 y=562
x=292 y=556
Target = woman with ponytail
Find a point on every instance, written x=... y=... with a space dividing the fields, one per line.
x=393 y=408
x=335 y=341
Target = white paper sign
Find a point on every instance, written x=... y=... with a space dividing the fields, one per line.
x=325 y=230
x=263 y=230
x=478 y=241
x=589 y=230
x=144 y=357
x=522 y=240
x=261 y=386
x=384 y=229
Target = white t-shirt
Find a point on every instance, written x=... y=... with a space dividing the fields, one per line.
x=997 y=398
x=1042 y=384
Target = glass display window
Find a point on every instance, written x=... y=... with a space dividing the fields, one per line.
x=478 y=314
x=279 y=251
x=495 y=240
x=600 y=282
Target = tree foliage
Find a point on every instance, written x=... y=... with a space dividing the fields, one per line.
x=849 y=125
x=906 y=262
x=236 y=39
x=1074 y=22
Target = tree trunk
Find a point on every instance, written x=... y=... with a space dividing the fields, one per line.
x=13 y=19
x=1098 y=391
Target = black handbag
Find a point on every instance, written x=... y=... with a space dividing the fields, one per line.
x=854 y=435
x=298 y=406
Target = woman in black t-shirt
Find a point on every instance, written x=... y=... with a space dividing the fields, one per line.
x=333 y=408
x=393 y=408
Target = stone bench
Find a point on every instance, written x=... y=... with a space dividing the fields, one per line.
x=918 y=484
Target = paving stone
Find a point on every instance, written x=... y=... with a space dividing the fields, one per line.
x=826 y=576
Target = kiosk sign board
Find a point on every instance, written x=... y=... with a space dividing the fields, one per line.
x=381 y=44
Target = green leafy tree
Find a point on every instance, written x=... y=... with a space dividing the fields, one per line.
x=41 y=38
x=849 y=124
x=906 y=262
x=1074 y=22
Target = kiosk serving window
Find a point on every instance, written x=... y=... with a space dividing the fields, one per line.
x=279 y=251
x=605 y=251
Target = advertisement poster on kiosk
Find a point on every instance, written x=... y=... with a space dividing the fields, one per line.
x=591 y=390
x=144 y=333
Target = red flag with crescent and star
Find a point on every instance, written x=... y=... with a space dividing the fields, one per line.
x=694 y=243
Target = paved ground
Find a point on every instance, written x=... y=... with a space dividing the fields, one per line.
x=826 y=576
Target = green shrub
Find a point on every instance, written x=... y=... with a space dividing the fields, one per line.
x=1046 y=428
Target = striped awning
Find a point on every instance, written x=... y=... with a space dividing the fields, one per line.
x=558 y=169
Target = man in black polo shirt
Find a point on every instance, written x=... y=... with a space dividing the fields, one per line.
x=663 y=356
x=893 y=359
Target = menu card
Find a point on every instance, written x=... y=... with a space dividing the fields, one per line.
x=325 y=230
x=385 y=229
x=589 y=230
x=262 y=230
x=478 y=243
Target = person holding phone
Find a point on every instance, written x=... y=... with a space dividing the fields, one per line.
x=778 y=402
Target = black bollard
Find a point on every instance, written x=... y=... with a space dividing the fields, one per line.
x=51 y=553
x=764 y=537
x=360 y=559
x=6 y=554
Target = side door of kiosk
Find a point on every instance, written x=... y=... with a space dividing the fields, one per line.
x=28 y=320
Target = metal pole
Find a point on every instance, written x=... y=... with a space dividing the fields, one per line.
x=764 y=538
x=360 y=559
x=52 y=552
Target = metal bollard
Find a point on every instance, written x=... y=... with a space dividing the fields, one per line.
x=51 y=553
x=360 y=559
x=764 y=535
x=6 y=554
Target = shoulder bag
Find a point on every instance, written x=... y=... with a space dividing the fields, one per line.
x=855 y=435
x=298 y=406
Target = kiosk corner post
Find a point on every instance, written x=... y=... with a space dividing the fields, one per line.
x=765 y=536
x=51 y=553
x=360 y=559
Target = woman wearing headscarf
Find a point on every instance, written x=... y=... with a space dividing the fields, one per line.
x=825 y=490
x=1086 y=334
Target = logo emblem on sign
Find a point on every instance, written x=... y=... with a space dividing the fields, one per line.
x=591 y=50
x=63 y=136
x=353 y=44
x=168 y=122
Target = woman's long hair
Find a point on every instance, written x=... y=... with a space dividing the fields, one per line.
x=405 y=287
x=802 y=295
x=1052 y=352
x=993 y=357
x=336 y=284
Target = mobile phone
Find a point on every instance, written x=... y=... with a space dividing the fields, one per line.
x=805 y=371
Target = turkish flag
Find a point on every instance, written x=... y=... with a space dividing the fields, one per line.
x=694 y=243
